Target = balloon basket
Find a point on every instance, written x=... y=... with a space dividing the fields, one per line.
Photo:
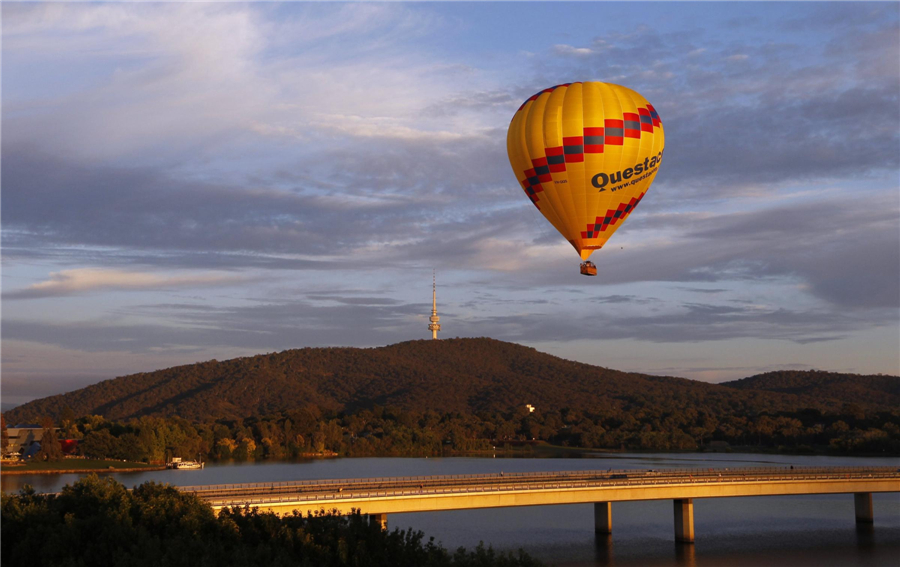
x=588 y=269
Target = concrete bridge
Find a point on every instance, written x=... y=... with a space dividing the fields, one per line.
x=379 y=497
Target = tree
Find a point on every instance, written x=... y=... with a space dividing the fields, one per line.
x=245 y=449
x=99 y=444
x=764 y=427
x=225 y=448
x=4 y=434
x=67 y=423
x=96 y=521
x=319 y=442
x=50 y=448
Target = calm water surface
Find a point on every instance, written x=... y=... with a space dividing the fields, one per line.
x=778 y=531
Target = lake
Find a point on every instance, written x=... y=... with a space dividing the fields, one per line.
x=779 y=531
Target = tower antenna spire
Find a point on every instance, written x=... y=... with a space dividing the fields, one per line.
x=434 y=326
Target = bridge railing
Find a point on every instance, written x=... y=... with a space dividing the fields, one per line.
x=864 y=473
x=349 y=482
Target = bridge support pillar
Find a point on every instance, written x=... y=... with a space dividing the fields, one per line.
x=603 y=517
x=380 y=519
x=684 y=520
x=864 y=512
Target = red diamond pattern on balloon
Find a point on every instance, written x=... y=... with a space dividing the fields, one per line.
x=595 y=138
x=632 y=125
x=646 y=120
x=531 y=189
x=615 y=132
x=556 y=159
x=573 y=149
x=612 y=217
x=541 y=170
x=656 y=121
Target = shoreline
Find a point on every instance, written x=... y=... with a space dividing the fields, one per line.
x=537 y=451
x=4 y=472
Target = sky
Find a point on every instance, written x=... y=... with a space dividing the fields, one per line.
x=183 y=182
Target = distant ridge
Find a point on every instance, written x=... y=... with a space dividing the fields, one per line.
x=456 y=375
x=876 y=389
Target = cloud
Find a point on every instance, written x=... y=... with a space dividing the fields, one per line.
x=179 y=67
x=839 y=16
x=502 y=102
x=845 y=252
x=273 y=325
x=70 y=282
x=685 y=323
x=382 y=217
x=374 y=206
x=202 y=80
x=618 y=298
x=347 y=143
x=382 y=127
x=704 y=290
x=276 y=325
x=568 y=50
x=323 y=185
x=759 y=128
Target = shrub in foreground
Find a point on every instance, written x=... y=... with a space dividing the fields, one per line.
x=97 y=522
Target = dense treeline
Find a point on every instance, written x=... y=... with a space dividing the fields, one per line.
x=877 y=389
x=393 y=432
x=96 y=522
x=467 y=376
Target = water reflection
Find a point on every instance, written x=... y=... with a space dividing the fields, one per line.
x=685 y=555
x=603 y=544
x=865 y=537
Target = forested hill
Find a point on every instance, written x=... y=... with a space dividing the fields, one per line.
x=456 y=375
x=854 y=388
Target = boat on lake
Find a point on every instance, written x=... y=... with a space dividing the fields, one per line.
x=180 y=464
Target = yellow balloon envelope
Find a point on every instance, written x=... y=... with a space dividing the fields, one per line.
x=586 y=154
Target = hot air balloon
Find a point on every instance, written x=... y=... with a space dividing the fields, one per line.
x=586 y=154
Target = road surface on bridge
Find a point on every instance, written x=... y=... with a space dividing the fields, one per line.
x=424 y=493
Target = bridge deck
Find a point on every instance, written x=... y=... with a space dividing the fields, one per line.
x=432 y=493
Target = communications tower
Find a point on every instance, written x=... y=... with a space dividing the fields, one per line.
x=435 y=324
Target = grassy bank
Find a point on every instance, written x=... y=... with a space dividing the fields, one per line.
x=76 y=466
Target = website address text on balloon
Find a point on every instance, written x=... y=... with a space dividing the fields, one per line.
x=648 y=167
